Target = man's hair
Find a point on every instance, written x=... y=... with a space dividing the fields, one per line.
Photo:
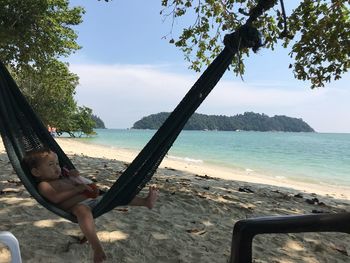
x=33 y=158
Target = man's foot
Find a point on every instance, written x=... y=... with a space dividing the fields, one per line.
x=152 y=197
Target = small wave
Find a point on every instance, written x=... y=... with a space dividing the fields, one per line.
x=186 y=159
x=249 y=170
x=280 y=177
x=193 y=160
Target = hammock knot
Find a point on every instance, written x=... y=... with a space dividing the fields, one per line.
x=246 y=36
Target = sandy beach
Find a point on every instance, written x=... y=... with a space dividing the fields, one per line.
x=191 y=222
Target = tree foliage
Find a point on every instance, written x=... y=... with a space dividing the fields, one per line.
x=249 y=121
x=33 y=35
x=317 y=31
x=35 y=31
x=79 y=123
x=49 y=90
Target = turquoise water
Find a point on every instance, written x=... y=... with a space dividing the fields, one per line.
x=320 y=158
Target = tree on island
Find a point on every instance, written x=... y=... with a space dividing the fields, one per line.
x=33 y=35
x=318 y=32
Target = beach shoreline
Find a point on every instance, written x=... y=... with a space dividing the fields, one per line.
x=75 y=146
x=191 y=222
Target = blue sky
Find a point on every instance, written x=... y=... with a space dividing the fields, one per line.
x=127 y=71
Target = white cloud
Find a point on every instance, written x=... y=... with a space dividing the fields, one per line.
x=122 y=94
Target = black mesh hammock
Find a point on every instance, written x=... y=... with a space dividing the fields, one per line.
x=22 y=130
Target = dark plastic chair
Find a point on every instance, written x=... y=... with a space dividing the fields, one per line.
x=245 y=230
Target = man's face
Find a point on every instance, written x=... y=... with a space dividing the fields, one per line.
x=49 y=168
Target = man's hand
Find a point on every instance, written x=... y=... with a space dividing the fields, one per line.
x=92 y=191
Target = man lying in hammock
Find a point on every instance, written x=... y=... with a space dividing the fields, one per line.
x=71 y=194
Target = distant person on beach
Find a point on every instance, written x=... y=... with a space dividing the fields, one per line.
x=52 y=130
x=74 y=193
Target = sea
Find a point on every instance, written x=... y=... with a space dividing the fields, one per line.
x=315 y=158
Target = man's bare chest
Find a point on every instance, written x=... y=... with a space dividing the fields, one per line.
x=63 y=184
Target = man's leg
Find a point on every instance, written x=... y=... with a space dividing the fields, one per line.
x=87 y=226
x=148 y=201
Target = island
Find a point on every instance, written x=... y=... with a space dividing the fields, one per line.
x=249 y=121
x=99 y=124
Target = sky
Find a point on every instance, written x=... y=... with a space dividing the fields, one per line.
x=128 y=70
